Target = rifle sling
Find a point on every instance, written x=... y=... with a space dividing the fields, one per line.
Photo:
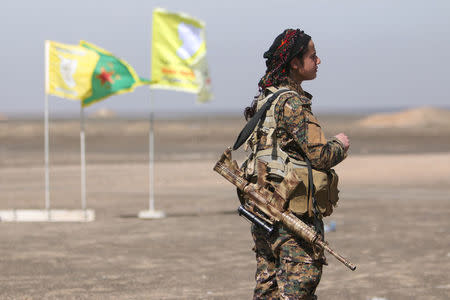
x=259 y=116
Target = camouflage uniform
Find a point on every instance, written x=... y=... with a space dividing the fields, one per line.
x=288 y=267
x=297 y=127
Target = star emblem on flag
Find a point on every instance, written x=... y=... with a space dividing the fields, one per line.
x=105 y=76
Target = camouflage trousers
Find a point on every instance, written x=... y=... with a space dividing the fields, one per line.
x=286 y=267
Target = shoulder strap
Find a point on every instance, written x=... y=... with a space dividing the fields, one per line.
x=250 y=126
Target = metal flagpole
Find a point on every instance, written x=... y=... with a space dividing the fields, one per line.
x=46 y=139
x=83 y=161
x=151 y=213
x=47 y=177
x=151 y=167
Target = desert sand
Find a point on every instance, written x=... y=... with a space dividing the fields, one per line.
x=411 y=118
x=392 y=219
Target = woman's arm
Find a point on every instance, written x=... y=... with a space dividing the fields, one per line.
x=296 y=117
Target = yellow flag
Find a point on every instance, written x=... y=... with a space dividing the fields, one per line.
x=69 y=70
x=179 y=54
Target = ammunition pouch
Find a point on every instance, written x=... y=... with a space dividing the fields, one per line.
x=294 y=188
x=292 y=176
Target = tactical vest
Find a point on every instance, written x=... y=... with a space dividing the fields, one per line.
x=291 y=174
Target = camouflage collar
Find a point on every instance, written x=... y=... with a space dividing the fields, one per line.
x=305 y=97
x=293 y=85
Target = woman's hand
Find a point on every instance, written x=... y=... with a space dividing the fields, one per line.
x=344 y=140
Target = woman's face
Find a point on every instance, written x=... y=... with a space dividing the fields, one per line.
x=306 y=70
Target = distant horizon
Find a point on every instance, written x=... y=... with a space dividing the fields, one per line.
x=169 y=114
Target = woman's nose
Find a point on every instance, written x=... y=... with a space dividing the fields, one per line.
x=318 y=61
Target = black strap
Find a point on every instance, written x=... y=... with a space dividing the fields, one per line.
x=250 y=126
x=310 y=191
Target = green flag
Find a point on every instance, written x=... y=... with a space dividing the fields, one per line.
x=112 y=76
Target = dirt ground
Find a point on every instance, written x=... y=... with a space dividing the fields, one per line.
x=392 y=220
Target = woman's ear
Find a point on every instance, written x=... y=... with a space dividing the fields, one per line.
x=295 y=63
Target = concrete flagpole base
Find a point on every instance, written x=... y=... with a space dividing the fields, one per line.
x=44 y=215
x=151 y=214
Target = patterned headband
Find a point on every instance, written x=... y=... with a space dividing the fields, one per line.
x=284 y=48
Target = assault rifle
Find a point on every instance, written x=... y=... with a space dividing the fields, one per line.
x=264 y=204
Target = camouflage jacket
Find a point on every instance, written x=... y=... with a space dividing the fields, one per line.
x=298 y=128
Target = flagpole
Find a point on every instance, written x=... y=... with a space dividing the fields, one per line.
x=46 y=134
x=151 y=147
x=83 y=161
x=151 y=213
x=47 y=177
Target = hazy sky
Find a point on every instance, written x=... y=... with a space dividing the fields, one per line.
x=375 y=54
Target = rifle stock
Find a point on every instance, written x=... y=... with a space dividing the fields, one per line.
x=275 y=212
